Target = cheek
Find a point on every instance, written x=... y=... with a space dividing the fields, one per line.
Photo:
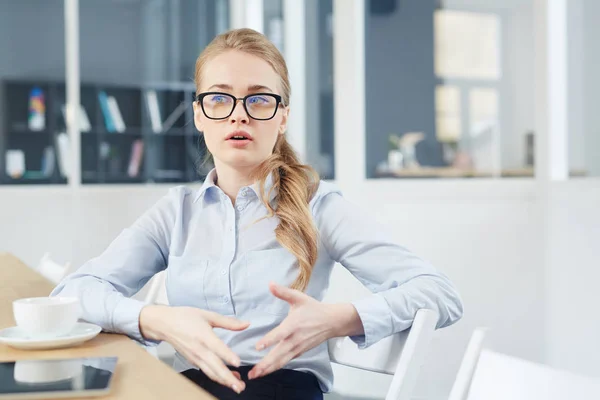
x=211 y=136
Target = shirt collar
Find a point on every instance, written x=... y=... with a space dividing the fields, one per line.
x=209 y=182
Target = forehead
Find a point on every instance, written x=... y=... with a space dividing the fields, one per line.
x=239 y=70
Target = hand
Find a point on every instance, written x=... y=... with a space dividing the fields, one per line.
x=308 y=324
x=190 y=331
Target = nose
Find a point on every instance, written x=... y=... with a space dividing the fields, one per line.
x=239 y=113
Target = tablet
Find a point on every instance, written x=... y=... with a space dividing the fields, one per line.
x=56 y=378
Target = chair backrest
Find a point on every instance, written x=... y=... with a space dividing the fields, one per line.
x=52 y=270
x=464 y=377
x=401 y=354
x=157 y=292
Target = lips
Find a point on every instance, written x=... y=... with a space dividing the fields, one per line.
x=239 y=136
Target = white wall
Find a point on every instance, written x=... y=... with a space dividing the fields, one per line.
x=483 y=234
x=573 y=276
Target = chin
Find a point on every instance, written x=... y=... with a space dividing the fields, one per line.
x=241 y=161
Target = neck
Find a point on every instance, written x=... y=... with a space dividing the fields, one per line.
x=231 y=179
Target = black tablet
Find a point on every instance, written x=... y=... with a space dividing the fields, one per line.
x=56 y=378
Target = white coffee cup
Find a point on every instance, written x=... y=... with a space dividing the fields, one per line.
x=46 y=317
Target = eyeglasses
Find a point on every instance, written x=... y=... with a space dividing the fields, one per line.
x=259 y=106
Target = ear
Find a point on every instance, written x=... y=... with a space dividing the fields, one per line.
x=198 y=116
x=284 y=120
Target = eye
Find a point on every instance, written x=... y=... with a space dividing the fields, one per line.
x=259 y=100
x=219 y=99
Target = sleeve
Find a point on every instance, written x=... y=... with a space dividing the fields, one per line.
x=105 y=284
x=401 y=282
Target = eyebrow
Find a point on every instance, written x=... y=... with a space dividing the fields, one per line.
x=251 y=88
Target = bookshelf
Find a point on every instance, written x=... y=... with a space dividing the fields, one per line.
x=129 y=134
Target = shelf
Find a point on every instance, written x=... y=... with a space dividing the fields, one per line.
x=105 y=156
x=22 y=128
x=138 y=132
x=442 y=172
x=122 y=179
x=34 y=181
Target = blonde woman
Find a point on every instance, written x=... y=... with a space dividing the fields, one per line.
x=248 y=256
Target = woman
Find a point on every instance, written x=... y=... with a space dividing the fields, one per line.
x=248 y=256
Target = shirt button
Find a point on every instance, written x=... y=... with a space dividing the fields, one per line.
x=240 y=208
x=244 y=191
x=223 y=271
x=225 y=299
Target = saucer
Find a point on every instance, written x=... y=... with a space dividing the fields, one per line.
x=16 y=338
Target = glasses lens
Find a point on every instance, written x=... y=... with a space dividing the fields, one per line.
x=261 y=106
x=217 y=105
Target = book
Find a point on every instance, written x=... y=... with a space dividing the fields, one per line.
x=48 y=162
x=115 y=114
x=82 y=118
x=135 y=160
x=154 y=111
x=108 y=121
x=62 y=144
x=171 y=119
x=37 y=110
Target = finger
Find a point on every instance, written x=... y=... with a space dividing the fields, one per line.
x=237 y=374
x=217 y=346
x=292 y=296
x=232 y=324
x=226 y=376
x=207 y=370
x=276 y=335
x=279 y=356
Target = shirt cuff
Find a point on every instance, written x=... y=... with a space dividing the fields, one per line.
x=374 y=313
x=126 y=320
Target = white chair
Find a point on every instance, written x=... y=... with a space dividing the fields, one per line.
x=500 y=376
x=400 y=355
x=156 y=289
x=464 y=377
x=157 y=294
x=52 y=270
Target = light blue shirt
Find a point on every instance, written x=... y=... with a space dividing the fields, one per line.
x=218 y=258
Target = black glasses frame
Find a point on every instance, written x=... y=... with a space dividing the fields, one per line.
x=278 y=99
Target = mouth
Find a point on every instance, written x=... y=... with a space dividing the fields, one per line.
x=239 y=136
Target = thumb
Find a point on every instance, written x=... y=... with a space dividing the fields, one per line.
x=292 y=296
x=232 y=324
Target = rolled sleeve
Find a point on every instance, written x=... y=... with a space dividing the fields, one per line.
x=374 y=313
x=126 y=320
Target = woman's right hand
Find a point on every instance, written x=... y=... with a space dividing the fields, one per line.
x=190 y=331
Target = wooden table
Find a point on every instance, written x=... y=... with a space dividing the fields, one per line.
x=138 y=374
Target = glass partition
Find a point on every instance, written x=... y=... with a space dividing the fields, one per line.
x=32 y=76
x=449 y=89
x=583 y=53
x=137 y=73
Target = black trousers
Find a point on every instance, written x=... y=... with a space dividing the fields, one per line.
x=284 y=384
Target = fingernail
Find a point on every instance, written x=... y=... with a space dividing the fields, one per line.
x=235 y=363
x=236 y=388
x=261 y=346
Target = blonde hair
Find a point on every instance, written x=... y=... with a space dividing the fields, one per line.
x=295 y=183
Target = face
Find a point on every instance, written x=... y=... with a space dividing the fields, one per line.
x=239 y=74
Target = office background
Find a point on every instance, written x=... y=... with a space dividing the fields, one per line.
x=470 y=123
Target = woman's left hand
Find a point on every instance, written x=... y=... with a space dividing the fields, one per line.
x=308 y=324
